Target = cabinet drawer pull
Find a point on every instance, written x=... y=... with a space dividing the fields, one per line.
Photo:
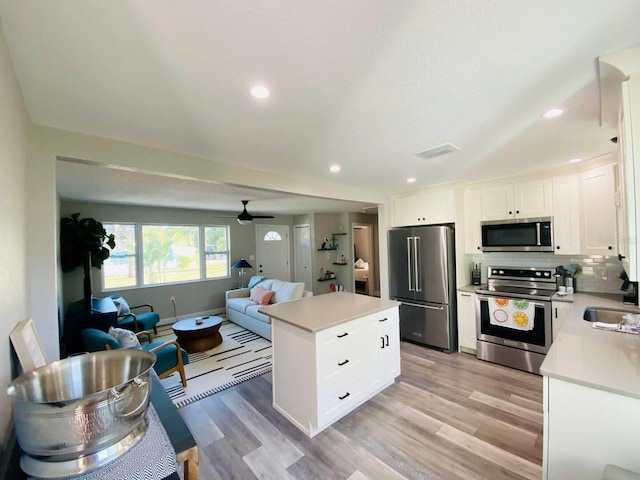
x=387 y=337
x=382 y=338
x=346 y=360
x=383 y=319
x=343 y=335
x=344 y=396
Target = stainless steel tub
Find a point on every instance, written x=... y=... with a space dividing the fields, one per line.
x=81 y=405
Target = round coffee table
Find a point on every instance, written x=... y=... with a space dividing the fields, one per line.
x=194 y=337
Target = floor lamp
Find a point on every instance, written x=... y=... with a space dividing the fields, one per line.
x=242 y=264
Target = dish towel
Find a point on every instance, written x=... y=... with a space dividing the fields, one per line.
x=516 y=314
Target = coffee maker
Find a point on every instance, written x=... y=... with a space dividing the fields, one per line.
x=631 y=288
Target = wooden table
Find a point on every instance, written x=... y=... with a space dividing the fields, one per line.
x=198 y=337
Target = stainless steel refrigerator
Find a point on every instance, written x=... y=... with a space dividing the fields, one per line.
x=422 y=278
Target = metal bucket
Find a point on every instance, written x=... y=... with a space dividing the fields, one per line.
x=82 y=404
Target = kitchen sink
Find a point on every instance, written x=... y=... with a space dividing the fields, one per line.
x=606 y=315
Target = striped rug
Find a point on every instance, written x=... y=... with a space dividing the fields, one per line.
x=241 y=356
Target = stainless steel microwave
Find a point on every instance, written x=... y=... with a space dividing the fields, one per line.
x=518 y=235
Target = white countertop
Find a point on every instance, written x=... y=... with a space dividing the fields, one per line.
x=323 y=311
x=595 y=358
x=469 y=288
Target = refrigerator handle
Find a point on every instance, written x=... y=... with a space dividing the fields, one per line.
x=409 y=263
x=416 y=264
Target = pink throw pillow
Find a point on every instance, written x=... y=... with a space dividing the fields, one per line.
x=261 y=295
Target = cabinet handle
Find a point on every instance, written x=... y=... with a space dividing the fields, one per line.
x=343 y=363
x=620 y=257
x=343 y=334
x=517 y=211
x=382 y=338
x=557 y=247
x=465 y=294
x=510 y=212
x=556 y=312
x=479 y=248
x=344 y=396
x=387 y=337
x=610 y=247
x=383 y=319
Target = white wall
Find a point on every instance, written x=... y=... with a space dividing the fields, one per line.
x=14 y=296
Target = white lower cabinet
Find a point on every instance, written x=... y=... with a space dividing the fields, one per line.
x=320 y=377
x=467 y=321
x=559 y=313
x=586 y=429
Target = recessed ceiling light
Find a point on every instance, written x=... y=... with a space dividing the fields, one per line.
x=575 y=160
x=411 y=180
x=260 y=91
x=335 y=168
x=554 y=112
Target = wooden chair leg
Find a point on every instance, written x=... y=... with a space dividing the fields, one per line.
x=189 y=460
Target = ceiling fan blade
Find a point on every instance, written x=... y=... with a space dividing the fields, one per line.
x=263 y=216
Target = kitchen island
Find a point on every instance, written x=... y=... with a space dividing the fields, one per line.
x=331 y=353
x=591 y=395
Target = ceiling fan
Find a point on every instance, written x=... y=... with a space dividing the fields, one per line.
x=245 y=218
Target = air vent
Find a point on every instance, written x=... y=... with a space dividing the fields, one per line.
x=437 y=151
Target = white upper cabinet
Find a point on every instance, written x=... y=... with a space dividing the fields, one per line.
x=425 y=208
x=598 y=211
x=566 y=215
x=472 y=219
x=520 y=200
x=628 y=193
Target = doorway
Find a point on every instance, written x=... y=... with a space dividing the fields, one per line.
x=302 y=255
x=364 y=267
x=272 y=251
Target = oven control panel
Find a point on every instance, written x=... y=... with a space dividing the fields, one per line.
x=522 y=273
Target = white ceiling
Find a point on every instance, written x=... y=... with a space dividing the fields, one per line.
x=363 y=83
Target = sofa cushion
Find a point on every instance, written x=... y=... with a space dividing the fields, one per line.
x=266 y=283
x=240 y=304
x=261 y=295
x=253 y=281
x=285 y=291
x=252 y=311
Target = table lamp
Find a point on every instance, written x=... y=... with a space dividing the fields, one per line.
x=242 y=264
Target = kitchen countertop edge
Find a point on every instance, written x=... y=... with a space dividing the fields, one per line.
x=319 y=312
x=591 y=357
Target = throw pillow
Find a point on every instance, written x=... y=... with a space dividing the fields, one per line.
x=261 y=295
x=122 y=306
x=126 y=338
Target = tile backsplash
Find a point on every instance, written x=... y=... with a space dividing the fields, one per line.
x=598 y=274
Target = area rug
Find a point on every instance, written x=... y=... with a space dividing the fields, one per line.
x=241 y=356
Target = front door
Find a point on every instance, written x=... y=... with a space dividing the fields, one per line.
x=272 y=255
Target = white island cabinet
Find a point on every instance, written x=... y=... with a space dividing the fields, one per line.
x=331 y=353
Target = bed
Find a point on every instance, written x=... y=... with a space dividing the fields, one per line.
x=361 y=275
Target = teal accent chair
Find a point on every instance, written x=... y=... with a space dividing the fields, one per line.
x=169 y=356
x=137 y=322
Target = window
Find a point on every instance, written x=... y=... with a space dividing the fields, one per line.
x=119 y=270
x=216 y=251
x=272 y=236
x=170 y=254
x=165 y=254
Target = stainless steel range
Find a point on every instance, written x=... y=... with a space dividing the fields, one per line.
x=513 y=316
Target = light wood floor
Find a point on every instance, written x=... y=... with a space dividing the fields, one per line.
x=446 y=417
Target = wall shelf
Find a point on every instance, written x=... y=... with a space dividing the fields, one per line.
x=343 y=264
x=326 y=249
x=335 y=234
x=326 y=279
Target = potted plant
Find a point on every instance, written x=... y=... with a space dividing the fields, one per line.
x=84 y=242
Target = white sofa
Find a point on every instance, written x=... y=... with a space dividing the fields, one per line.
x=244 y=312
